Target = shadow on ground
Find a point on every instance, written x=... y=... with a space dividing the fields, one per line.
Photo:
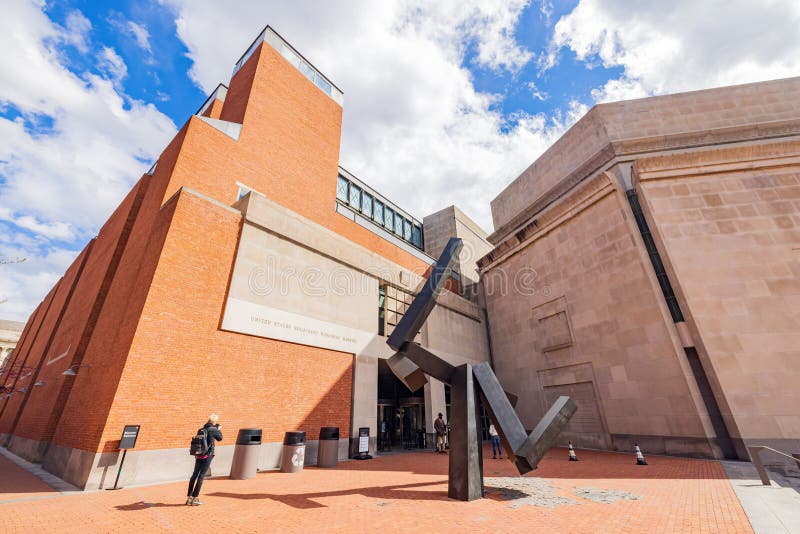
x=555 y=464
x=141 y=505
x=306 y=500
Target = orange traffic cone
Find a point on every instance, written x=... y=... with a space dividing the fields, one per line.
x=572 y=456
x=639 y=456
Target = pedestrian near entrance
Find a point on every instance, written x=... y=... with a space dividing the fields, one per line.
x=203 y=450
x=496 y=450
x=440 y=428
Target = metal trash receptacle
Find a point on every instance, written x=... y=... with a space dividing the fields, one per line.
x=294 y=452
x=328 y=452
x=245 y=454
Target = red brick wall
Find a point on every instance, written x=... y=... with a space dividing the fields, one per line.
x=157 y=334
x=288 y=150
x=213 y=111
x=44 y=407
x=22 y=344
x=86 y=410
x=11 y=373
x=181 y=367
x=239 y=90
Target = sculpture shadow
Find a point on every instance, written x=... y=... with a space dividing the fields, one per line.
x=142 y=505
x=502 y=494
x=305 y=501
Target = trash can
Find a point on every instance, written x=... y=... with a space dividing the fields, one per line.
x=245 y=454
x=294 y=452
x=328 y=452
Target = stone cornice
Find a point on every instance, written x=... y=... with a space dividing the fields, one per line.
x=575 y=201
x=628 y=149
x=595 y=163
x=724 y=159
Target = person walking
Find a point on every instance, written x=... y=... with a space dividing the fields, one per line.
x=202 y=461
x=440 y=428
x=495 y=442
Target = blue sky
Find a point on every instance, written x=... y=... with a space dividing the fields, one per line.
x=157 y=75
x=445 y=102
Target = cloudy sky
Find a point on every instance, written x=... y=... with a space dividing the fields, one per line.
x=445 y=102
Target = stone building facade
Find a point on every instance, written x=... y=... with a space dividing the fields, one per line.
x=662 y=236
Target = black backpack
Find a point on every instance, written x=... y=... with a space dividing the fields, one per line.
x=199 y=446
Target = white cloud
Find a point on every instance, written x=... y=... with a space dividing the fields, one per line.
x=53 y=230
x=23 y=285
x=60 y=182
x=140 y=35
x=414 y=126
x=77 y=31
x=546 y=8
x=683 y=45
x=109 y=62
x=491 y=24
x=536 y=93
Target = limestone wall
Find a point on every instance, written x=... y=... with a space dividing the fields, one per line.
x=581 y=315
x=728 y=223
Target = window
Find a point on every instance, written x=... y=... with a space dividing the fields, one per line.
x=290 y=56
x=376 y=208
x=322 y=83
x=366 y=204
x=341 y=188
x=381 y=309
x=247 y=54
x=416 y=236
x=307 y=71
x=355 y=197
x=388 y=218
x=394 y=305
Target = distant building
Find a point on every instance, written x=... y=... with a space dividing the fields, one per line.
x=9 y=336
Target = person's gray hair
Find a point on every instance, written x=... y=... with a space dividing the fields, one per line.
x=213 y=418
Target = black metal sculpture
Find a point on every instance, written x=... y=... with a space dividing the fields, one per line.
x=469 y=385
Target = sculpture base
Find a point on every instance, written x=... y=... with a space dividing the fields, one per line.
x=465 y=481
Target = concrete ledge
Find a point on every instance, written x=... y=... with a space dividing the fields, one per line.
x=92 y=470
x=687 y=446
x=28 y=449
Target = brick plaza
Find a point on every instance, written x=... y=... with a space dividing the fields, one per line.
x=402 y=492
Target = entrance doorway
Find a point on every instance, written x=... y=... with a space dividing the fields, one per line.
x=401 y=413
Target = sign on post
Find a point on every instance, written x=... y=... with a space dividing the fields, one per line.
x=363 y=444
x=127 y=441
x=129 y=435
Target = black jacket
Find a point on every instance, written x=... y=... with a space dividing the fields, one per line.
x=214 y=434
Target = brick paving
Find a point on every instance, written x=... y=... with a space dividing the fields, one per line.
x=404 y=492
x=16 y=484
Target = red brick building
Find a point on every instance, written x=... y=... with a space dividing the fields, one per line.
x=245 y=274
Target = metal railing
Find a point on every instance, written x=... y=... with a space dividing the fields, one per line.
x=755 y=457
